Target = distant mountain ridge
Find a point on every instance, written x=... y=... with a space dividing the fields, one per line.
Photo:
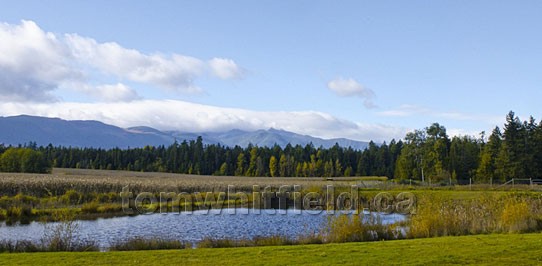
x=22 y=129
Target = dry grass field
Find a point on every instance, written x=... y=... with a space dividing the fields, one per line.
x=103 y=181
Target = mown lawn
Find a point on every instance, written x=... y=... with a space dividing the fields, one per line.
x=505 y=249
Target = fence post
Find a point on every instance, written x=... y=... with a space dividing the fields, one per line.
x=470 y=183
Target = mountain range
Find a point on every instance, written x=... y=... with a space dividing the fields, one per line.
x=15 y=130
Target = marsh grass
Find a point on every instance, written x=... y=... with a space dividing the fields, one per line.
x=89 y=182
x=516 y=217
x=489 y=213
x=97 y=192
x=359 y=228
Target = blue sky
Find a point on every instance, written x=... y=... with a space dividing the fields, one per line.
x=357 y=69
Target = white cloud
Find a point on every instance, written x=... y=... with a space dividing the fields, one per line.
x=186 y=116
x=175 y=72
x=350 y=87
x=116 y=93
x=34 y=63
x=107 y=92
x=407 y=110
x=225 y=68
x=458 y=132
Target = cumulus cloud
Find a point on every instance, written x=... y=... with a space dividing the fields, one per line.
x=350 y=87
x=167 y=115
x=175 y=72
x=34 y=63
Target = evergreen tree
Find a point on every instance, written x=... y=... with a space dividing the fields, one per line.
x=487 y=169
x=513 y=157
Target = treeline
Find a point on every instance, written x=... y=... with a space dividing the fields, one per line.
x=428 y=155
x=193 y=157
x=515 y=152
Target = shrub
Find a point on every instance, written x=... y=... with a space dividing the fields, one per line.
x=71 y=197
x=61 y=236
x=209 y=242
x=110 y=208
x=310 y=239
x=18 y=246
x=90 y=207
x=25 y=199
x=14 y=212
x=29 y=246
x=516 y=217
x=149 y=244
x=355 y=228
x=5 y=202
x=276 y=240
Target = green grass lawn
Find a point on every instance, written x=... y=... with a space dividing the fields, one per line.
x=505 y=249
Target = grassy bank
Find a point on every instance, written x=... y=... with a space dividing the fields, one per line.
x=501 y=249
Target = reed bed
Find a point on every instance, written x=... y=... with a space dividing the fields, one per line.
x=101 y=181
x=510 y=212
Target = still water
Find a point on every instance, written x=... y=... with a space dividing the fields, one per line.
x=192 y=227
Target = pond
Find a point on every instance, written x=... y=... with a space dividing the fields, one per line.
x=192 y=227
